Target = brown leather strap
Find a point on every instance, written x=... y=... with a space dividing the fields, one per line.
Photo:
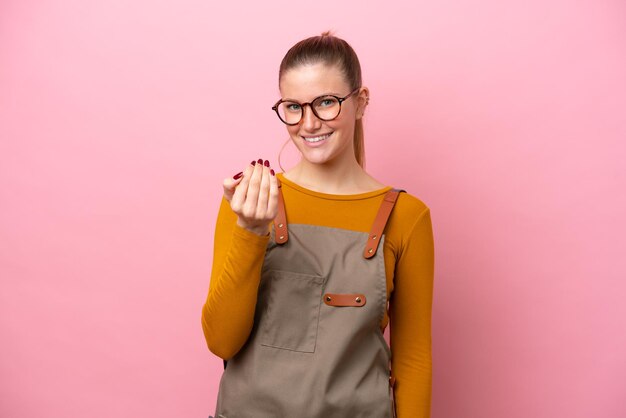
x=344 y=299
x=379 y=223
x=281 y=235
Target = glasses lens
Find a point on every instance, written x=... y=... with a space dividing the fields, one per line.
x=290 y=112
x=327 y=107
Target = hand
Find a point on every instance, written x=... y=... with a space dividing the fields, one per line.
x=253 y=197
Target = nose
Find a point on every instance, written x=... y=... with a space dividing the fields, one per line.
x=310 y=122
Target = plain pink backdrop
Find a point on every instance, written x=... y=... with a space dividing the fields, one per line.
x=120 y=119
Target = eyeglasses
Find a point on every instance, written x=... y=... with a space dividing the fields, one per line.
x=325 y=107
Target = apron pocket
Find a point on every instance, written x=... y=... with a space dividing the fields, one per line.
x=292 y=312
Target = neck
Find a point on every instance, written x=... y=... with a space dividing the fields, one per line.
x=333 y=177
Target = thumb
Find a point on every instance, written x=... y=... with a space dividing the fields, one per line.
x=229 y=186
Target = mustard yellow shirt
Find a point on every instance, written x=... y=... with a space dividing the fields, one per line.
x=228 y=313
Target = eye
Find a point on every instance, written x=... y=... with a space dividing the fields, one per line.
x=292 y=107
x=326 y=102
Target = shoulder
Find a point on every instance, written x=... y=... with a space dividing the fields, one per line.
x=409 y=207
x=409 y=212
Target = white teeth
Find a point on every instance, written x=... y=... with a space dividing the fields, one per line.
x=317 y=138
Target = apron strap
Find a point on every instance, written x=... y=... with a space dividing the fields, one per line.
x=379 y=223
x=281 y=234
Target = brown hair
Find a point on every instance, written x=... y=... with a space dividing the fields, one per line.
x=330 y=50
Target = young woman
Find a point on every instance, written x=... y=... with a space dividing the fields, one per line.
x=310 y=265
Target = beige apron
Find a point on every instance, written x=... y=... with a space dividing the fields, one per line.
x=316 y=348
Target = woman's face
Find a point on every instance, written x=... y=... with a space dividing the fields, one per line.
x=305 y=83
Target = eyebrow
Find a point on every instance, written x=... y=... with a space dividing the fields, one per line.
x=321 y=95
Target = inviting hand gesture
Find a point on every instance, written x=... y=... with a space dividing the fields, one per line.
x=253 y=196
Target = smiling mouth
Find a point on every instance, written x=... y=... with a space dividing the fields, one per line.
x=317 y=138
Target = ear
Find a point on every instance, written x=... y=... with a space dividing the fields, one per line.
x=363 y=97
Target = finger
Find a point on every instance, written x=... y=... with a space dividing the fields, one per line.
x=263 y=192
x=229 y=185
x=239 y=196
x=272 y=203
x=252 y=193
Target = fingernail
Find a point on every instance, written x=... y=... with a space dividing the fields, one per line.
x=260 y=161
x=266 y=163
x=253 y=162
x=236 y=176
x=272 y=171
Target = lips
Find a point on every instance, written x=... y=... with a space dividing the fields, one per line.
x=316 y=138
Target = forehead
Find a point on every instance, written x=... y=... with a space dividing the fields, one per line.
x=306 y=82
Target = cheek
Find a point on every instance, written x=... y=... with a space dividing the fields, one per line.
x=293 y=130
x=341 y=123
x=345 y=119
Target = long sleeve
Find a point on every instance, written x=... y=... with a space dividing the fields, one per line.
x=228 y=313
x=410 y=321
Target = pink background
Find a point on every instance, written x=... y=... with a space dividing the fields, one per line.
x=120 y=119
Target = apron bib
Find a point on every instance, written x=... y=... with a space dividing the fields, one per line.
x=316 y=348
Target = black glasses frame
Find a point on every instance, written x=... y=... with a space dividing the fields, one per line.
x=339 y=99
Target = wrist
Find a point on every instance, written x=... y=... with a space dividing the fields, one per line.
x=258 y=230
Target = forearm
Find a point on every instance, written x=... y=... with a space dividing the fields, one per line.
x=228 y=313
x=410 y=316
